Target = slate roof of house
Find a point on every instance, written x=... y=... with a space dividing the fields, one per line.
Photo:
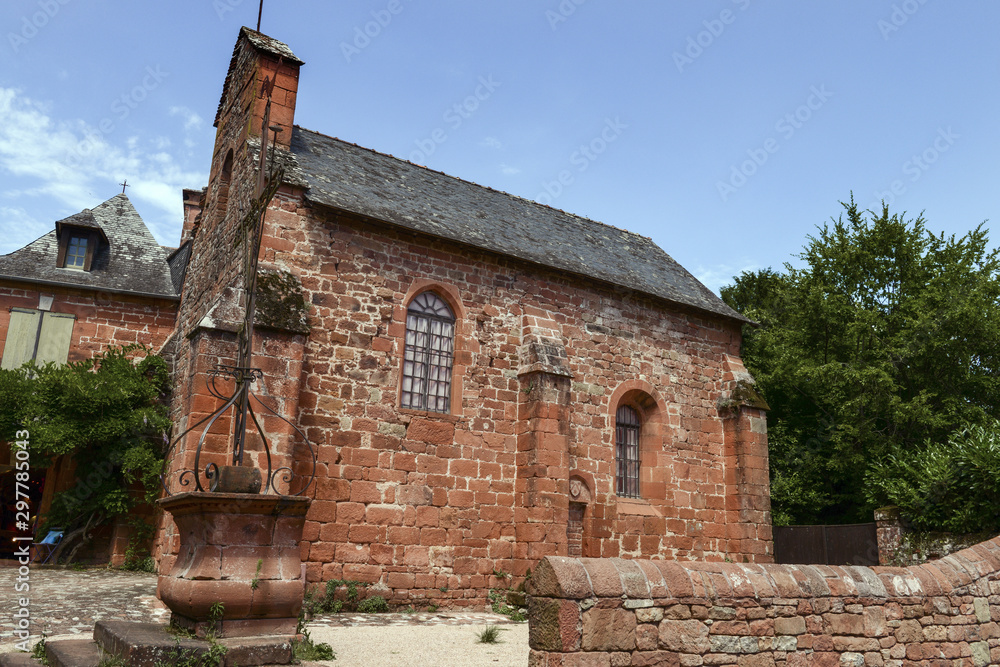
x=344 y=176
x=130 y=261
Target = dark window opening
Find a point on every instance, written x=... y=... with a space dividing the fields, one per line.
x=428 y=354
x=627 y=452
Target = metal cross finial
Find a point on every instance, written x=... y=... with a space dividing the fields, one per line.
x=260 y=12
x=125 y=184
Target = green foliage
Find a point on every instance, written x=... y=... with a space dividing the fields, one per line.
x=498 y=602
x=375 y=604
x=489 y=635
x=884 y=338
x=137 y=556
x=215 y=656
x=952 y=485
x=108 y=413
x=255 y=582
x=328 y=602
x=38 y=651
x=308 y=650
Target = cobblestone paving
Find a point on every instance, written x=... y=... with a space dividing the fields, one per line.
x=418 y=618
x=69 y=602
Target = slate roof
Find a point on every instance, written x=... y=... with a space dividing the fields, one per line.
x=344 y=176
x=131 y=261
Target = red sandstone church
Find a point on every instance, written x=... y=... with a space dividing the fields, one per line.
x=485 y=380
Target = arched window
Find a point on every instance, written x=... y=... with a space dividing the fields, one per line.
x=627 y=452
x=428 y=355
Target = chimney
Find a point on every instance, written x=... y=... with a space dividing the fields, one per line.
x=192 y=209
x=257 y=58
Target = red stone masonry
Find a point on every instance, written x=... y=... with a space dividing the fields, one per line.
x=102 y=319
x=611 y=612
x=440 y=507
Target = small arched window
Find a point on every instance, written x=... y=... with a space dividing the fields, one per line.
x=428 y=355
x=627 y=426
x=225 y=177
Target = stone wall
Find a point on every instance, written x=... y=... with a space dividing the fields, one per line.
x=102 y=318
x=606 y=612
x=897 y=545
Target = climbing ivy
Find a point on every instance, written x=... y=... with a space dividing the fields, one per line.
x=109 y=414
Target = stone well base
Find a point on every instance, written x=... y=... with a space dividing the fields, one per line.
x=240 y=550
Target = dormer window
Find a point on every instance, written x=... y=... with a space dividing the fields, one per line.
x=77 y=246
x=76 y=253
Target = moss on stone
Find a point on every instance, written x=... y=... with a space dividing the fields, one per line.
x=280 y=302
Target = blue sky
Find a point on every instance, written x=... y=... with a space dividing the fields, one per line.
x=726 y=130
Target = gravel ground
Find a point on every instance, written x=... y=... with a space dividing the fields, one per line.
x=424 y=646
x=66 y=604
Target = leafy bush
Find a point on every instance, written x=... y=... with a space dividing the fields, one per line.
x=952 y=486
x=109 y=414
x=376 y=604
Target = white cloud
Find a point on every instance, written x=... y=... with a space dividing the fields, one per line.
x=69 y=161
x=492 y=142
x=20 y=228
x=192 y=121
x=508 y=170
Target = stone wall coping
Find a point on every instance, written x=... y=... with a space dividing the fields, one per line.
x=579 y=578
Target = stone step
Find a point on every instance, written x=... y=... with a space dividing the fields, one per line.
x=150 y=644
x=18 y=659
x=73 y=653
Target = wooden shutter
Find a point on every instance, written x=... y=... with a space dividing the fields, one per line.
x=54 y=338
x=27 y=341
x=21 y=334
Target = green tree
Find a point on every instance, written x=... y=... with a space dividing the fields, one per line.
x=884 y=338
x=109 y=414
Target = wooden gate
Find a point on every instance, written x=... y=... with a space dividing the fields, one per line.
x=849 y=544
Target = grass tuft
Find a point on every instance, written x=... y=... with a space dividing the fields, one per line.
x=489 y=635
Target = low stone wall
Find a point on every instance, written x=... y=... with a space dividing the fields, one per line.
x=590 y=612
